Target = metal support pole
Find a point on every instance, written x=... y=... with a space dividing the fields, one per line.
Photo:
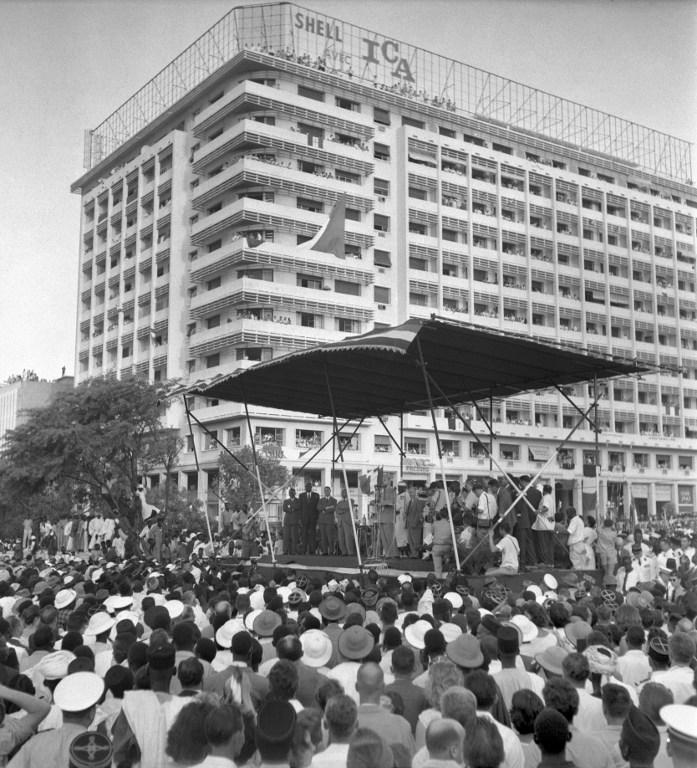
x=391 y=436
x=596 y=430
x=272 y=551
x=198 y=466
x=440 y=453
x=343 y=464
x=521 y=493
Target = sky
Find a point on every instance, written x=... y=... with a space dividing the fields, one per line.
x=67 y=65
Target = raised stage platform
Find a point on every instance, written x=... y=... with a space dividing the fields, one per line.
x=318 y=565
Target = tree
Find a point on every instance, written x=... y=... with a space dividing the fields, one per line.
x=92 y=441
x=238 y=487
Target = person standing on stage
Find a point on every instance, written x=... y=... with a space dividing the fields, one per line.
x=401 y=535
x=576 y=544
x=544 y=528
x=415 y=523
x=343 y=524
x=326 y=507
x=291 y=524
x=386 y=520
x=525 y=514
x=309 y=513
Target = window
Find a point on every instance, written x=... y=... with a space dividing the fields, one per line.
x=382 y=444
x=381 y=295
x=477 y=451
x=510 y=451
x=641 y=460
x=162 y=302
x=381 y=258
x=308 y=320
x=189 y=443
x=256 y=274
x=305 y=204
x=306 y=439
x=381 y=187
x=381 y=116
x=416 y=446
x=213 y=360
x=308 y=281
x=381 y=223
x=352 y=214
x=349 y=442
x=126 y=350
x=213 y=322
x=310 y=93
x=417 y=193
x=266 y=435
x=250 y=353
x=210 y=440
x=449 y=234
x=347 y=176
x=353 y=106
x=344 y=286
x=232 y=437
x=214 y=283
x=685 y=462
x=450 y=448
x=664 y=461
x=412 y=122
x=449 y=132
x=381 y=152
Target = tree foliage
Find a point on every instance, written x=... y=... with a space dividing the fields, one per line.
x=92 y=442
x=238 y=487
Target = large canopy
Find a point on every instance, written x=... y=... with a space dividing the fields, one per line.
x=380 y=372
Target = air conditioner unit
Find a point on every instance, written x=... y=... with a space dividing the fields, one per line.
x=480 y=461
x=382 y=306
x=381 y=128
x=382 y=198
x=381 y=270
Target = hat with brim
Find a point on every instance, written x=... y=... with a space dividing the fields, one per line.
x=227 y=631
x=332 y=608
x=454 y=598
x=416 y=632
x=528 y=629
x=78 y=692
x=54 y=666
x=450 y=631
x=577 y=630
x=256 y=600
x=99 y=623
x=284 y=593
x=465 y=651
x=356 y=608
x=551 y=659
x=175 y=608
x=355 y=643
x=601 y=660
x=250 y=618
x=39 y=587
x=265 y=623
x=317 y=648
x=404 y=578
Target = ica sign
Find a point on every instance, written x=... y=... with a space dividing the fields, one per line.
x=388 y=51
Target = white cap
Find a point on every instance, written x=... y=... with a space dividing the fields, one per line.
x=528 y=630
x=227 y=631
x=682 y=720
x=64 y=597
x=449 y=631
x=175 y=608
x=454 y=598
x=78 y=691
x=99 y=622
x=249 y=618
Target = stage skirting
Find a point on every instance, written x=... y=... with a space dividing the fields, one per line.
x=318 y=565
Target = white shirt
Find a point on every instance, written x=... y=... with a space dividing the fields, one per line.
x=634 y=667
x=509 y=548
x=512 y=748
x=334 y=756
x=590 y=717
x=575 y=530
x=678 y=680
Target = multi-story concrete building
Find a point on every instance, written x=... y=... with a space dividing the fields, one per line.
x=21 y=396
x=467 y=195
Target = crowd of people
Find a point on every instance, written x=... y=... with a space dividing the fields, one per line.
x=205 y=661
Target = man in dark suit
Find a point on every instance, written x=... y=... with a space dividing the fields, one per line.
x=524 y=518
x=414 y=509
x=308 y=518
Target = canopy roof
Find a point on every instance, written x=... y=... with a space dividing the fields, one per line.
x=379 y=372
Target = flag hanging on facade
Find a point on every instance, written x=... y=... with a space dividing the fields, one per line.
x=330 y=238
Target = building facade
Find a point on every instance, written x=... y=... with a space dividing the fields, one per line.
x=467 y=195
x=19 y=397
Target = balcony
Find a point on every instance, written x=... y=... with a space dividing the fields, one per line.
x=260 y=292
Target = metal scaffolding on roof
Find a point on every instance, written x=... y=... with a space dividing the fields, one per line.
x=290 y=36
